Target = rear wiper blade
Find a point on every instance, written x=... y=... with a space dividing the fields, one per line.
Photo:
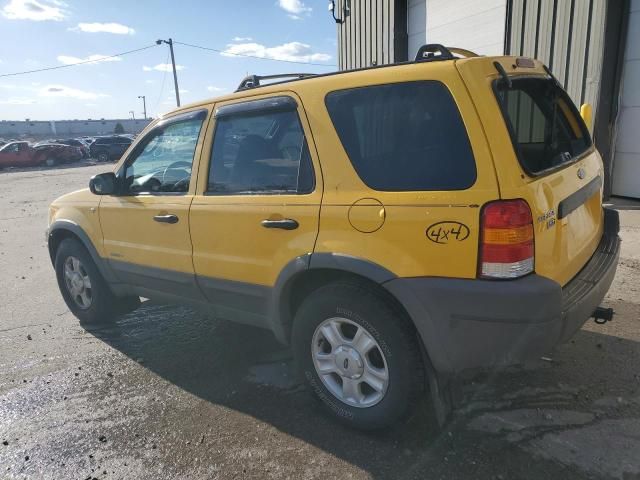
x=503 y=74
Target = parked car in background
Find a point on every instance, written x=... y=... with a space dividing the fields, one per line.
x=51 y=154
x=109 y=148
x=16 y=154
x=76 y=142
x=22 y=154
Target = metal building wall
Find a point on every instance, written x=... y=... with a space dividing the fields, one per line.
x=567 y=35
x=475 y=25
x=373 y=32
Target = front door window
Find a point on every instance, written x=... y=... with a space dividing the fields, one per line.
x=163 y=164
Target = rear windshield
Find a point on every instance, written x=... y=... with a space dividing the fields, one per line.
x=404 y=136
x=546 y=129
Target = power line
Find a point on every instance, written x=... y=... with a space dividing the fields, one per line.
x=252 y=56
x=57 y=67
x=164 y=77
x=78 y=63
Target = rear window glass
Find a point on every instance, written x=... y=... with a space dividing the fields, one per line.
x=404 y=136
x=546 y=129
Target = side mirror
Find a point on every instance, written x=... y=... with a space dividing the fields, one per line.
x=586 y=113
x=103 y=184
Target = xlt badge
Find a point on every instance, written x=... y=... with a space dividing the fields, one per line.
x=548 y=217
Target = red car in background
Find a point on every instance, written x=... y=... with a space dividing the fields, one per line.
x=22 y=154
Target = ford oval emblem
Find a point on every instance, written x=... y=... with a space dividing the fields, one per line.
x=581 y=173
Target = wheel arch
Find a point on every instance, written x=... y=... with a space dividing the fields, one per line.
x=309 y=272
x=63 y=229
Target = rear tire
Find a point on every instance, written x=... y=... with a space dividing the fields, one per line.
x=50 y=162
x=83 y=288
x=371 y=340
x=103 y=157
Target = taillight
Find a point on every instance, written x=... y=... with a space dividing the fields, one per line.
x=506 y=240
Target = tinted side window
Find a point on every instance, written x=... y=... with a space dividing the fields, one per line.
x=404 y=136
x=260 y=153
x=163 y=161
x=546 y=128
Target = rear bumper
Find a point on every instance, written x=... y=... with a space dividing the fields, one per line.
x=481 y=323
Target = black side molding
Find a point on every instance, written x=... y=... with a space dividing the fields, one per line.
x=573 y=201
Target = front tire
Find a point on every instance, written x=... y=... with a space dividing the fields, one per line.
x=103 y=157
x=84 y=290
x=358 y=355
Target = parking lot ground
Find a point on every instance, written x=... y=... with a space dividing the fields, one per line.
x=168 y=393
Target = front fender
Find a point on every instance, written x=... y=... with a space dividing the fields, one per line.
x=61 y=229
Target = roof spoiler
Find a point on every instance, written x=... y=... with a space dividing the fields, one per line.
x=435 y=51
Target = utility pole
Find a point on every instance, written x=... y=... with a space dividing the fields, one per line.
x=133 y=114
x=173 y=62
x=144 y=105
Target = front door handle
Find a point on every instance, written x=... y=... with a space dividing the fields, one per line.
x=166 y=218
x=285 y=224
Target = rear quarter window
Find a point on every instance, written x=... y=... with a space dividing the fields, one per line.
x=404 y=136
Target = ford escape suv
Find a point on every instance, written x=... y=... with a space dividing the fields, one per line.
x=395 y=225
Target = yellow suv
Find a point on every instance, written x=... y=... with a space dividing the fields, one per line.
x=395 y=225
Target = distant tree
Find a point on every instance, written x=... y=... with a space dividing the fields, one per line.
x=119 y=128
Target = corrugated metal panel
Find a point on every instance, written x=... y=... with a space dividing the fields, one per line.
x=591 y=80
x=561 y=39
x=567 y=35
x=576 y=58
x=387 y=28
x=366 y=36
x=517 y=10
x=542 y=52
x=529 y=19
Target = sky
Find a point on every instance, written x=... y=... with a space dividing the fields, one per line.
x=37 y=34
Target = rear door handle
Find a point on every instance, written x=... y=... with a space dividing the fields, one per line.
x=285 y=224
x=166 y=218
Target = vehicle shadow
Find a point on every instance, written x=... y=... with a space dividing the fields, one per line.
x=245 y=369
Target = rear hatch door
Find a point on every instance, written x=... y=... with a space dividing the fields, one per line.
x=543 y=153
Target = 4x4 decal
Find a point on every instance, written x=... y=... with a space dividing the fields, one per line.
x=443 y=232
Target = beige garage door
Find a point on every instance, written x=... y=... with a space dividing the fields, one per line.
x=626 y=160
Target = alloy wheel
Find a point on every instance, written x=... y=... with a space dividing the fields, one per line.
x=350 y=362
x=78 y=283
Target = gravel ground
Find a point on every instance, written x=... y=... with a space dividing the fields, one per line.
x=169 y=393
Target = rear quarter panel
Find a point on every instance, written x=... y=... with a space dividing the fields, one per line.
x=390 y=228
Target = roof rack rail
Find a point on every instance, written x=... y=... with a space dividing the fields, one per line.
x=253 y=81
x=434 y=51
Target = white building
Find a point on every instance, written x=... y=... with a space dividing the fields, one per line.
x=67 y=128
